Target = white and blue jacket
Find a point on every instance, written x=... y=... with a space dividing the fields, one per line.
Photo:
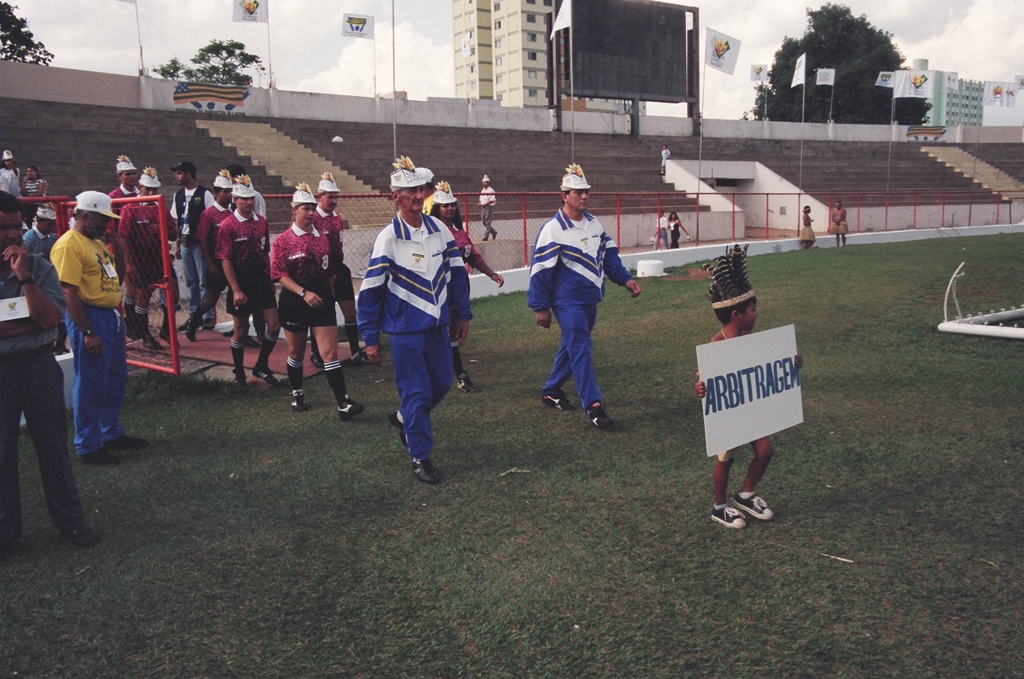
x=570 y=261
x=414 y=275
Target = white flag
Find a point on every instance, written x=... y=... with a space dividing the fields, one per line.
x=1000 y=94
x=357 y=26
x=759 y=73
x=913 y=84
x=884 y=79
x=798 y=73
x=721 y=51
x=952 y=81
x=1019 y=80
x=130 y=2
x=564 y=18
x=826 y=76
x=250 y=11
x=467 y=45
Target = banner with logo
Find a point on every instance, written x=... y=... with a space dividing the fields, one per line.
x=250 y=11
x=207 y=97
x=952 y=81
x=759 y=73
x=564 y=18
x=721 y=52
x=799 y=71
x=1019 y=80
x=999 y=94
x=884 y=79
x=913 y=84
x=357 y=26
x=752 y=387
x=467 y=45
x=826 y=76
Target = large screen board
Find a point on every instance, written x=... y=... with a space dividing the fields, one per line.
x=632 y=49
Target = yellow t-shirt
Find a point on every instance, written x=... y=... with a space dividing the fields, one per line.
x=88 y=264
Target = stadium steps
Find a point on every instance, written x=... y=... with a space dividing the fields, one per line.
x=1007 y=157
x=989 y=176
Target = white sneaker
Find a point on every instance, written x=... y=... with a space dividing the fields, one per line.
x=728 y=517
x=755 y=506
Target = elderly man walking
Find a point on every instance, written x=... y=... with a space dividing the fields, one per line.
x=487 y=201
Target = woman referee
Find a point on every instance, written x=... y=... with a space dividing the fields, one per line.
x=300 y=260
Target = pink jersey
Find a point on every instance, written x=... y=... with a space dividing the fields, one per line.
x=303 y=257
x=330 y=225
x=243 y=243
x=465 y=245
x=139 y=228
x=211 y=218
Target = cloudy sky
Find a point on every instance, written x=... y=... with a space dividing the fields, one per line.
x=980 y=39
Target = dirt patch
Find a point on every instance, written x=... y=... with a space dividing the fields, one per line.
x=689 y=275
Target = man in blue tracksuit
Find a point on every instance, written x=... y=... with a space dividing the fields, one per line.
x=414 y=275
x=570 y=260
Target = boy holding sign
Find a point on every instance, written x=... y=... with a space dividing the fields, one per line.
x=735 y=305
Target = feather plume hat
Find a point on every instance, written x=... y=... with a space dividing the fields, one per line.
x=729 y=282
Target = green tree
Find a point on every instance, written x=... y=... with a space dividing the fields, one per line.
x=221 y=62
x=17 y=42
x=857 y=51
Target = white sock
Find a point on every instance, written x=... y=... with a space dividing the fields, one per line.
x=719 y=508
x=746 y=496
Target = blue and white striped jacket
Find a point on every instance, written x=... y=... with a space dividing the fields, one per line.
x=570 y=261
x=412 y=278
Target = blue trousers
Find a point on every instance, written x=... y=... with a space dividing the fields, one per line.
x=36 y=388
x=574 y=356
x=99 y=380
x=423 y=375
x=195 y=277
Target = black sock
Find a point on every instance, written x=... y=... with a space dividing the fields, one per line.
x=268 y=344
x=238 y=355
x=336 y=379
x=457 y=359
x=295 y=373
x=352 y=333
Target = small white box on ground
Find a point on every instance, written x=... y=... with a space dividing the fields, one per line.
x=647 y=268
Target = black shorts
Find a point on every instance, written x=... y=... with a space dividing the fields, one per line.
x=215 y=284
x=343 y=283
x=297 y=316
x=259 y=292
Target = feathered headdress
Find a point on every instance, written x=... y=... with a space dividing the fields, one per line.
x=124 y=164
x=405 y=175
x=574 y=178
x=223 y=180
x=327 y=183
x=729 y=283
x=149 y=178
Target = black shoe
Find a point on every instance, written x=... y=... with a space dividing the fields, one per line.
x=165 y=334
x=558 y=400
x=299 y=401
x=125 y=442
x=263 y=372
x=101 y=456
x=356 y=359
x=81 y=536
x=349 y=410
x=316 y=359
x=425 y=472
x=465 y=384
x=250 y=343
x=395 y=422
x=190 y=333
x=209 y=325
x=597 y=416
x=150 y=343
x=239 y=376
x=183 y=327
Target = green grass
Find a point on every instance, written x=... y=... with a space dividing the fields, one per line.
x=253 y=542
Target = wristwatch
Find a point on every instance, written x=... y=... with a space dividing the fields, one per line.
x=302 y=292
x=88 y=332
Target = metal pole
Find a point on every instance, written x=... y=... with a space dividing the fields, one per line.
x=572 y=98
x=270 y=61
x=618 y=219
x=700 y=145
x=914 y=226
x=942 y=222
x=858 y=213
x=657 y=232
x=803 y=107
x=394 y=88
x=138 y=28
x=526 y=249
x=892 y=119
x=767 y=231
x=375 y=62
x=831 y=101
x=734 y=216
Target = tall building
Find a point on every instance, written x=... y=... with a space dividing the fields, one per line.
x=500 y=50
x=961 y=106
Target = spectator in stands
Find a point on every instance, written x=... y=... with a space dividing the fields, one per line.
x=189 y=203
x=838 y=226
x=806 y=232
x=9 y=175
x=666 y=156
x=572 y=256
x=32 y=383
x=446 y=209
x=128 y=177
x=487 y=201
x=675 y=225
x=206 y=232
x=40 y=238
x=91 y=277
x=139 y=230
x=328 y=222
x=32 y=186
x=258 y=324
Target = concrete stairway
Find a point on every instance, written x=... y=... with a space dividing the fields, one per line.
x=989 y=176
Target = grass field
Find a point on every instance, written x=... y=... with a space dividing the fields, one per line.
x=250 y=541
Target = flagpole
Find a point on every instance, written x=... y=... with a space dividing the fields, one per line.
x=270 y=61
x=572 y=97
x=138 y=28
x=394 y=87
x=892 y=119
x=374 y=62
x=700 y=144
x=832 y=99
x=803 y=108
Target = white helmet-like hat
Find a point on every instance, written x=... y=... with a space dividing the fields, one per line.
x=574 y=178
x=485 y=179
x=8 y=155
x=443 y=194
x=405 y=175
x=303 y=195
x=124 y=164
x=223 y=180
x=46 y=211
x=149 y=178
x=242 y=188
x=426 y=173
x=94 y=201
x=327 y=184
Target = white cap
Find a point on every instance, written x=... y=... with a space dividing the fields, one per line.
x=303 y=195
x=223 y=180
x=149 y=178
x=47 y=212
x=427 y=175
x=485 y=179
x=443 y=194
x=242 y=187
x=8 y=155
x=94 y=201
x=574 y=178
x=327 y=184
x=405 y=175
x=124 y=164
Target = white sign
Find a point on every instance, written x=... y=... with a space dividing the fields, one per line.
x=13 y=308
x=752 y=387
x=250 y=11
x=357 y=26
x=721 y=51
x=759 y=73
x=884 y=79
x=913 y=84
x=826 y=76
x=798 y=72
x=952 y=81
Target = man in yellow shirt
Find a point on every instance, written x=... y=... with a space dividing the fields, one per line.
x=91 y=279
